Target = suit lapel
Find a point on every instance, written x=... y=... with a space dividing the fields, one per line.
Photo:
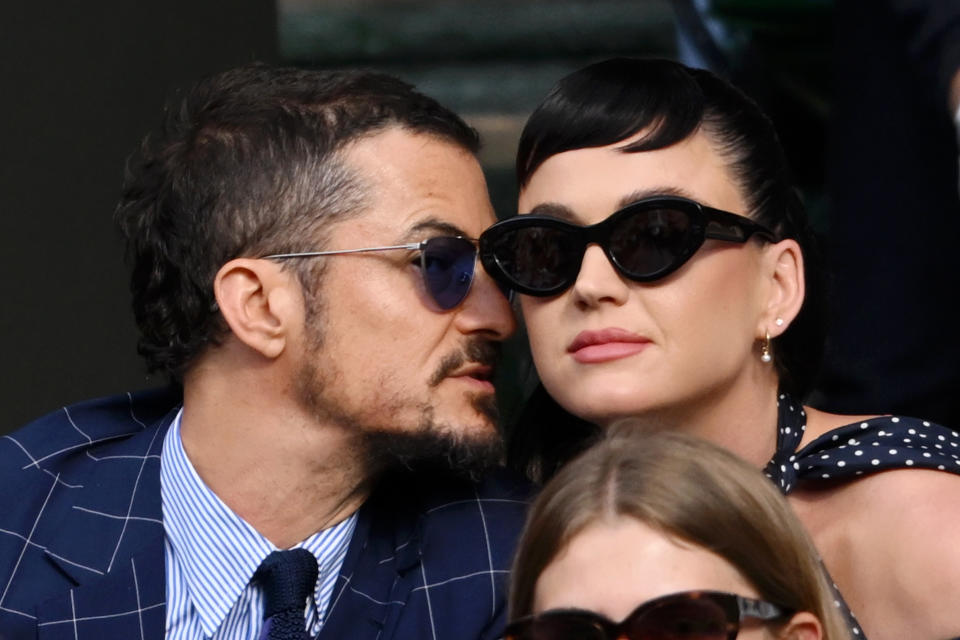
x=110 y=545
x=371 y=590
x=128 y=602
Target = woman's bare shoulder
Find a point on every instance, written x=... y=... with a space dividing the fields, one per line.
x=889 y=541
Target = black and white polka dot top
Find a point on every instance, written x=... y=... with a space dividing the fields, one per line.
x=856 y=449
x=877 y=444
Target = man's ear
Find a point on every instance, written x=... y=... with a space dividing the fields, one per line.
x=784 y=262
x=802 y=626
x=259 y=302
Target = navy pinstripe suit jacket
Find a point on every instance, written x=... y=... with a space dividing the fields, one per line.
x=81 y=538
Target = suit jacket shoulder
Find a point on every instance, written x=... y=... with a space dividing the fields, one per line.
x=80 y=493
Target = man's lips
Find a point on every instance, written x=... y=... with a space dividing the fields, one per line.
x=481 y=371
x=476 y=373
x=476 y=360
x=607 y=344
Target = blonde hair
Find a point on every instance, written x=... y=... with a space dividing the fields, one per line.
x=690 y=490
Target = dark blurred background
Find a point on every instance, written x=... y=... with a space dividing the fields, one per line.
x=82 y=84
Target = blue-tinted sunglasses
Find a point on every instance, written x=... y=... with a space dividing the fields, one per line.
x=446 y=262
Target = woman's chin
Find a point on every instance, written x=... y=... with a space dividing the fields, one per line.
x=605 y=408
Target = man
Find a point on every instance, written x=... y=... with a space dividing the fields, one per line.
x=302 y=265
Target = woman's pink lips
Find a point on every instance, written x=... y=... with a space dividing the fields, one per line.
x=607 y=344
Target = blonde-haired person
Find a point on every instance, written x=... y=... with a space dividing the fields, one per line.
x=666 y=537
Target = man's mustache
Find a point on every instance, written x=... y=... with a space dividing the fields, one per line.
x=478 y=351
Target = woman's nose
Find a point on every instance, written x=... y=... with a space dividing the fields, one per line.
x=598 y=280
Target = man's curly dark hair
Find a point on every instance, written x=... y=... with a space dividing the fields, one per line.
x=247 y=164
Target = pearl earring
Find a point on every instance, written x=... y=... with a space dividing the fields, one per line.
x=779 y=322
x=765 y=355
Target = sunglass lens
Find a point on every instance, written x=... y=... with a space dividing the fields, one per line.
x=558 y=627
x=537 y=258
x=687 y=619
x=448 y=265
x=650 y=241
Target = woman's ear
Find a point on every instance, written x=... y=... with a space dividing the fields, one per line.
x=256 y=300
x=802 y=626
x=787 y=286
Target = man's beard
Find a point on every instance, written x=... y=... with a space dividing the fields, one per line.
x=431 y=448
x=428 y=446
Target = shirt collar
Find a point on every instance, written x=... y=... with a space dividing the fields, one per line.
x=218 y=550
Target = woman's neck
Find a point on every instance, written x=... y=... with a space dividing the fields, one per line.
x=744 y=423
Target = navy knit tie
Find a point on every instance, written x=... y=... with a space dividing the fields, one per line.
x=288 y=578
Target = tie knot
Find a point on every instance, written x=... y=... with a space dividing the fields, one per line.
x=287 y=577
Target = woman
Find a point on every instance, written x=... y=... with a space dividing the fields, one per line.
x=668 y=273
x=666 y=537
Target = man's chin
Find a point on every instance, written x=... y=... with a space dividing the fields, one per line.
x=470 y=456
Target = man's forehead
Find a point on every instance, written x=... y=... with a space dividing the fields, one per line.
x=372 y=227
x=420 y=184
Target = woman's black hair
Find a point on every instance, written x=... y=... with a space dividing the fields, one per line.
x=610 y=101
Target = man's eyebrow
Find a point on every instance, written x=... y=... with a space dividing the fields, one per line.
x=437 y=225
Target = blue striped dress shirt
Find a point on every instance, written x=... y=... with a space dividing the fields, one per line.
x=211 y=554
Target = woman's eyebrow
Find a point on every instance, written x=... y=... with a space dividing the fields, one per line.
x=652 y=192
x=555 y=210
x=562 y=211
